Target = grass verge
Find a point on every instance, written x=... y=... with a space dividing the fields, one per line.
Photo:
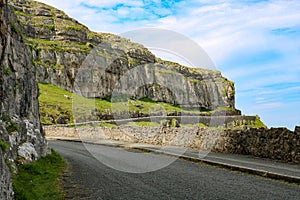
x=39 y=180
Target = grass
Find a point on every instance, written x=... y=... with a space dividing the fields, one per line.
x=3 y=145
x=56 y=24
x=75 y=28
x=56 y=45
x=39 y=180
x=98 y=124
x=202 y=125
x=196 y=125
x=15 y=28
x=258 y=123
x=107 y=124
x=194 y=81
x=56 y=103
x=6 y=70
x=138 y=124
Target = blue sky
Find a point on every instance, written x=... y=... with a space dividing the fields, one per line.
x=255 y=43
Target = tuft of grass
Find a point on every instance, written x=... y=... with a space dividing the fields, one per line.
x=15 y=28
x=98 y=124
x=3 y=145
x=39 y=180
x=57 y=45
x=202 y=125
x=258 y=123
x=104 y=124
x=194 y=81
x=6 y=70
x=137 y=124
x=9 y=125
x=9 y=165
x=75 y=28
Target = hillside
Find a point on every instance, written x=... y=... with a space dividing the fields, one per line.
x=58 y=106
x=64 y=52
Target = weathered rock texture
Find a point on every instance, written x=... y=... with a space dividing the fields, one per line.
x=64 y=53
x=275 y=143
x=6 y=191
x=20 y=128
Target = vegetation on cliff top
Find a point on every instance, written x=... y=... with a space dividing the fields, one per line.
x=47 y=28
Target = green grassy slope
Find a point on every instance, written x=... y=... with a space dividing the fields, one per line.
x=57 y=105
x=60 y=106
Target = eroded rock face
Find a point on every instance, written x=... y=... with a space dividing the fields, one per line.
x=6 y=190
x=20 y=129
x=64 y=53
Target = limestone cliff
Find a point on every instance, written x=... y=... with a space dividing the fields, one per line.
x=61 y=47
x=21 y=138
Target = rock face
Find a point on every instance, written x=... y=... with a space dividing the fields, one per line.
x=21 y=135
x=6 y=191
x=64 y=53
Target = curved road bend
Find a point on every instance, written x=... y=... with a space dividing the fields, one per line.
x=87 y=178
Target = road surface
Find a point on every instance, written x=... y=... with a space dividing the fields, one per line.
x=88 y=178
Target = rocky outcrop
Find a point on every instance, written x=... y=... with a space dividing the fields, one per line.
x=64 y=53
x=21 y=135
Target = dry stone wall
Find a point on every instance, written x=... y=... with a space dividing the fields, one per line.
x=274 y=143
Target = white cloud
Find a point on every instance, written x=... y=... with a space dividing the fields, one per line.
x=267 y=106
x=111 y=3
x=224 y=29
x=260 y=100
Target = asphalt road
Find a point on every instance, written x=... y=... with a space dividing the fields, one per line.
x=88 y=178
